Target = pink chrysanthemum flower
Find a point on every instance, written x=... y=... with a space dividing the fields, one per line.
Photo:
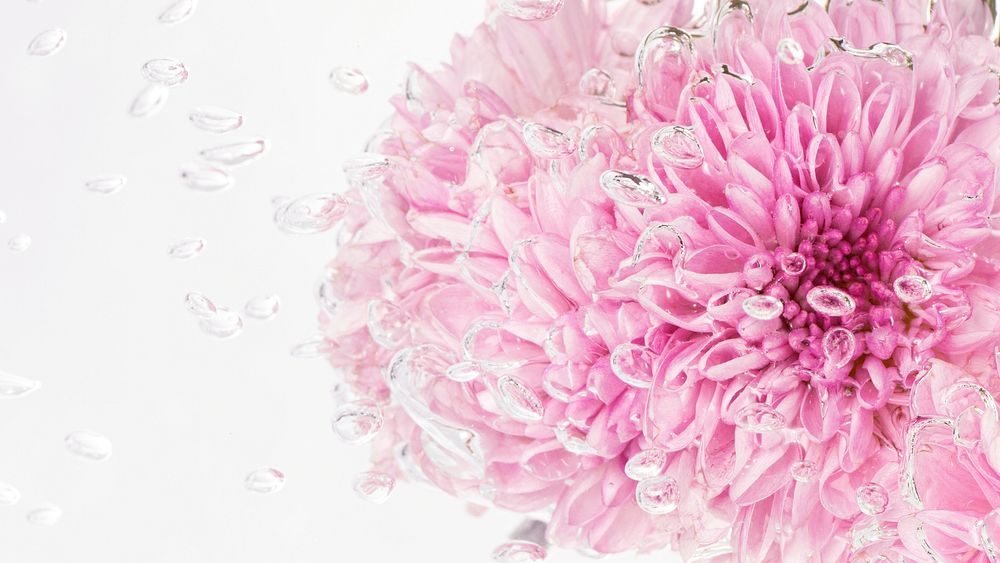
x=728 y=284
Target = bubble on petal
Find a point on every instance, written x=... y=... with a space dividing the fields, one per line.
x=634 y=190
x=236 y=154
x=186 y=249
x=374 y=486
x=893 y=54
x=793 y=263
x=646 y=464
x=17 y=386
x=838 y=346
x=872 y=498
x=388 y=324
x=47 y=43
x=789 y=51
x=349 y=80
x=759 y=418
x=205 y=178
x=168 y=72
x=88 y=445
x=531 y=10
x=464 y=371
x=264 y=481
x=199 y=305
x=311 y=213
x=224 y=324
x=519 y=552
x=519 y=400
x=763 y=307
x=19 y=242
x=912 y=289
x=357 y=422
x=633 y=364
x=598 y=83
x=658 y=495
x=46 y=514
x=215 y=120
x=9 y=495
x=678 y=147
x=804 y=471
x=177 y=12
x=546 y=142
x=149 y=100
x=262 y=307
x=830 y=301
x=365 y=167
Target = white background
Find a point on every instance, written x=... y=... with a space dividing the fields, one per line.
x=94 y=308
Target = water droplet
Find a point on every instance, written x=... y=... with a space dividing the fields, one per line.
x=310 y=214
x=830 y=301
x=199 y=305
x=88 y=445
x=9 y=495
x=47 y=42
x=598 y=83
x=206 y=178
x=519 y=400
x=215 y=120
x=316 y=347
x=988 y=529
x=633 y=190
x=545 y=142
x=893 y=54
x=349 y=80
x=759 y=418
x=167 y=72
x=464 y=371
x=912 y=289
x=531 y=10
x=262 y=307
x=804 y=471
x=678 y=147
x=358 y=422
x=44 y=515
x=265 y=481
x=633 y=364
x=763 y=307
x=872 y=498
x=519 y=552
x=365 y=167
x=16 y=386
x=658 y=495
x=186 y=249
x=19 y=242
x=793 y=263
x=573 y=440
x=177 y=12
x=374 y=486
x=790 y=52
x=149 y=100
x=223 y=324
x=236 y=154
x=388 y=324
x=838 y=346
x=646 y=464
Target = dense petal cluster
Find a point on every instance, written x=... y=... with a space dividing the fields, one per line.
x=727 y=284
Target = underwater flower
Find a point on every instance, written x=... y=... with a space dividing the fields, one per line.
x=727 y=285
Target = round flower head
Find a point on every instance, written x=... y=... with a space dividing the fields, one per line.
x=728 y=284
